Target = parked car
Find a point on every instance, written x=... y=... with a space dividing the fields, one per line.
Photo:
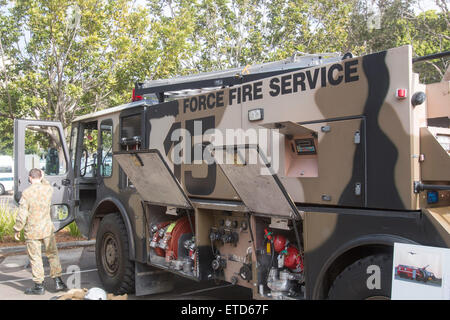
x=6 y=174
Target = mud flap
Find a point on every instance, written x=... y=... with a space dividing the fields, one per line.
x=152 y=178
x=440 y=218
x=254 y=180
x=152 y=280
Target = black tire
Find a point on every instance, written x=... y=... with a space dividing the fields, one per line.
x=2 y=190
x=351 y=284
x=115 y=269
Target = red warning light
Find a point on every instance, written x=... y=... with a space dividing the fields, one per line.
x=135 y=97
x=400 y=93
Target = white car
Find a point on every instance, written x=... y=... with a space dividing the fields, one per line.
x=6 y=174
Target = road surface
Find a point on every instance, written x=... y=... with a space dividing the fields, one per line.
x=15 y=277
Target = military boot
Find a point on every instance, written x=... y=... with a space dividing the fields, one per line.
x=38 y=289
x=59 y=284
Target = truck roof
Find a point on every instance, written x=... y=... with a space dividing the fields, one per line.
x=112 y=110
x=183 y=86
x=179 y=87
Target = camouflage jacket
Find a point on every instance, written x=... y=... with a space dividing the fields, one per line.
x=34 y=211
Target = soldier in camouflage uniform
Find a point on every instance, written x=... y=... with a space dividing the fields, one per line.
x=34 y=218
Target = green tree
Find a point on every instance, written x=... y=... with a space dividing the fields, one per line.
x=61 y=59
x=428 y=32
x=65 y=54
x=232 y=33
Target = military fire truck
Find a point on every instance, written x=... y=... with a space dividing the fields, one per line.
x=414 y=273
x=289 y=178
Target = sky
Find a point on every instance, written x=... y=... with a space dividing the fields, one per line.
x=424 y=5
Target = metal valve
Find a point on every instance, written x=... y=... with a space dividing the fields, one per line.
x=218 y=263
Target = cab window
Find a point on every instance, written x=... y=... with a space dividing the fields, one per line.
x=106 y=143
x=131 y=132
x=131 y=138
x=44 y=150
x=89 y=161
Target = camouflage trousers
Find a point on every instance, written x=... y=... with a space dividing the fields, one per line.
x=34 y=251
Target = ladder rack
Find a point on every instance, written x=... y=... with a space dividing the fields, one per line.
x=183 y=86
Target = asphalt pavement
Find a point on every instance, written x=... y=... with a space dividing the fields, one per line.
x=15 y=277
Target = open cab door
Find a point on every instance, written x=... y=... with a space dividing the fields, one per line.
x=41 y=144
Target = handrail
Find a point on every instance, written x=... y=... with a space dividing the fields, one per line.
x=431 y=56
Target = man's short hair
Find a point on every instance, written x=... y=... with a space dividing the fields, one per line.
x=35 y=174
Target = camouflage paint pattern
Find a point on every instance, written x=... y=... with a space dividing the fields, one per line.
x=357 y=93
x=34 y=212
x=355 y=96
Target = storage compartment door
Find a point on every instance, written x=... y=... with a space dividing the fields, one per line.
x=152 y=178
x=254 y=181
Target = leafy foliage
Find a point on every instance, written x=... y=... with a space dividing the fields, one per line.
x=7 y=221
x=60 y=59
x=73 y=230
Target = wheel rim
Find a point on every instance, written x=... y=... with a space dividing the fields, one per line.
x=110 y=254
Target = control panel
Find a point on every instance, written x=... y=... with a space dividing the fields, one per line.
x=232 y=248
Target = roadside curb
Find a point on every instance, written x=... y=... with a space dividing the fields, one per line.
x=61 y=245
